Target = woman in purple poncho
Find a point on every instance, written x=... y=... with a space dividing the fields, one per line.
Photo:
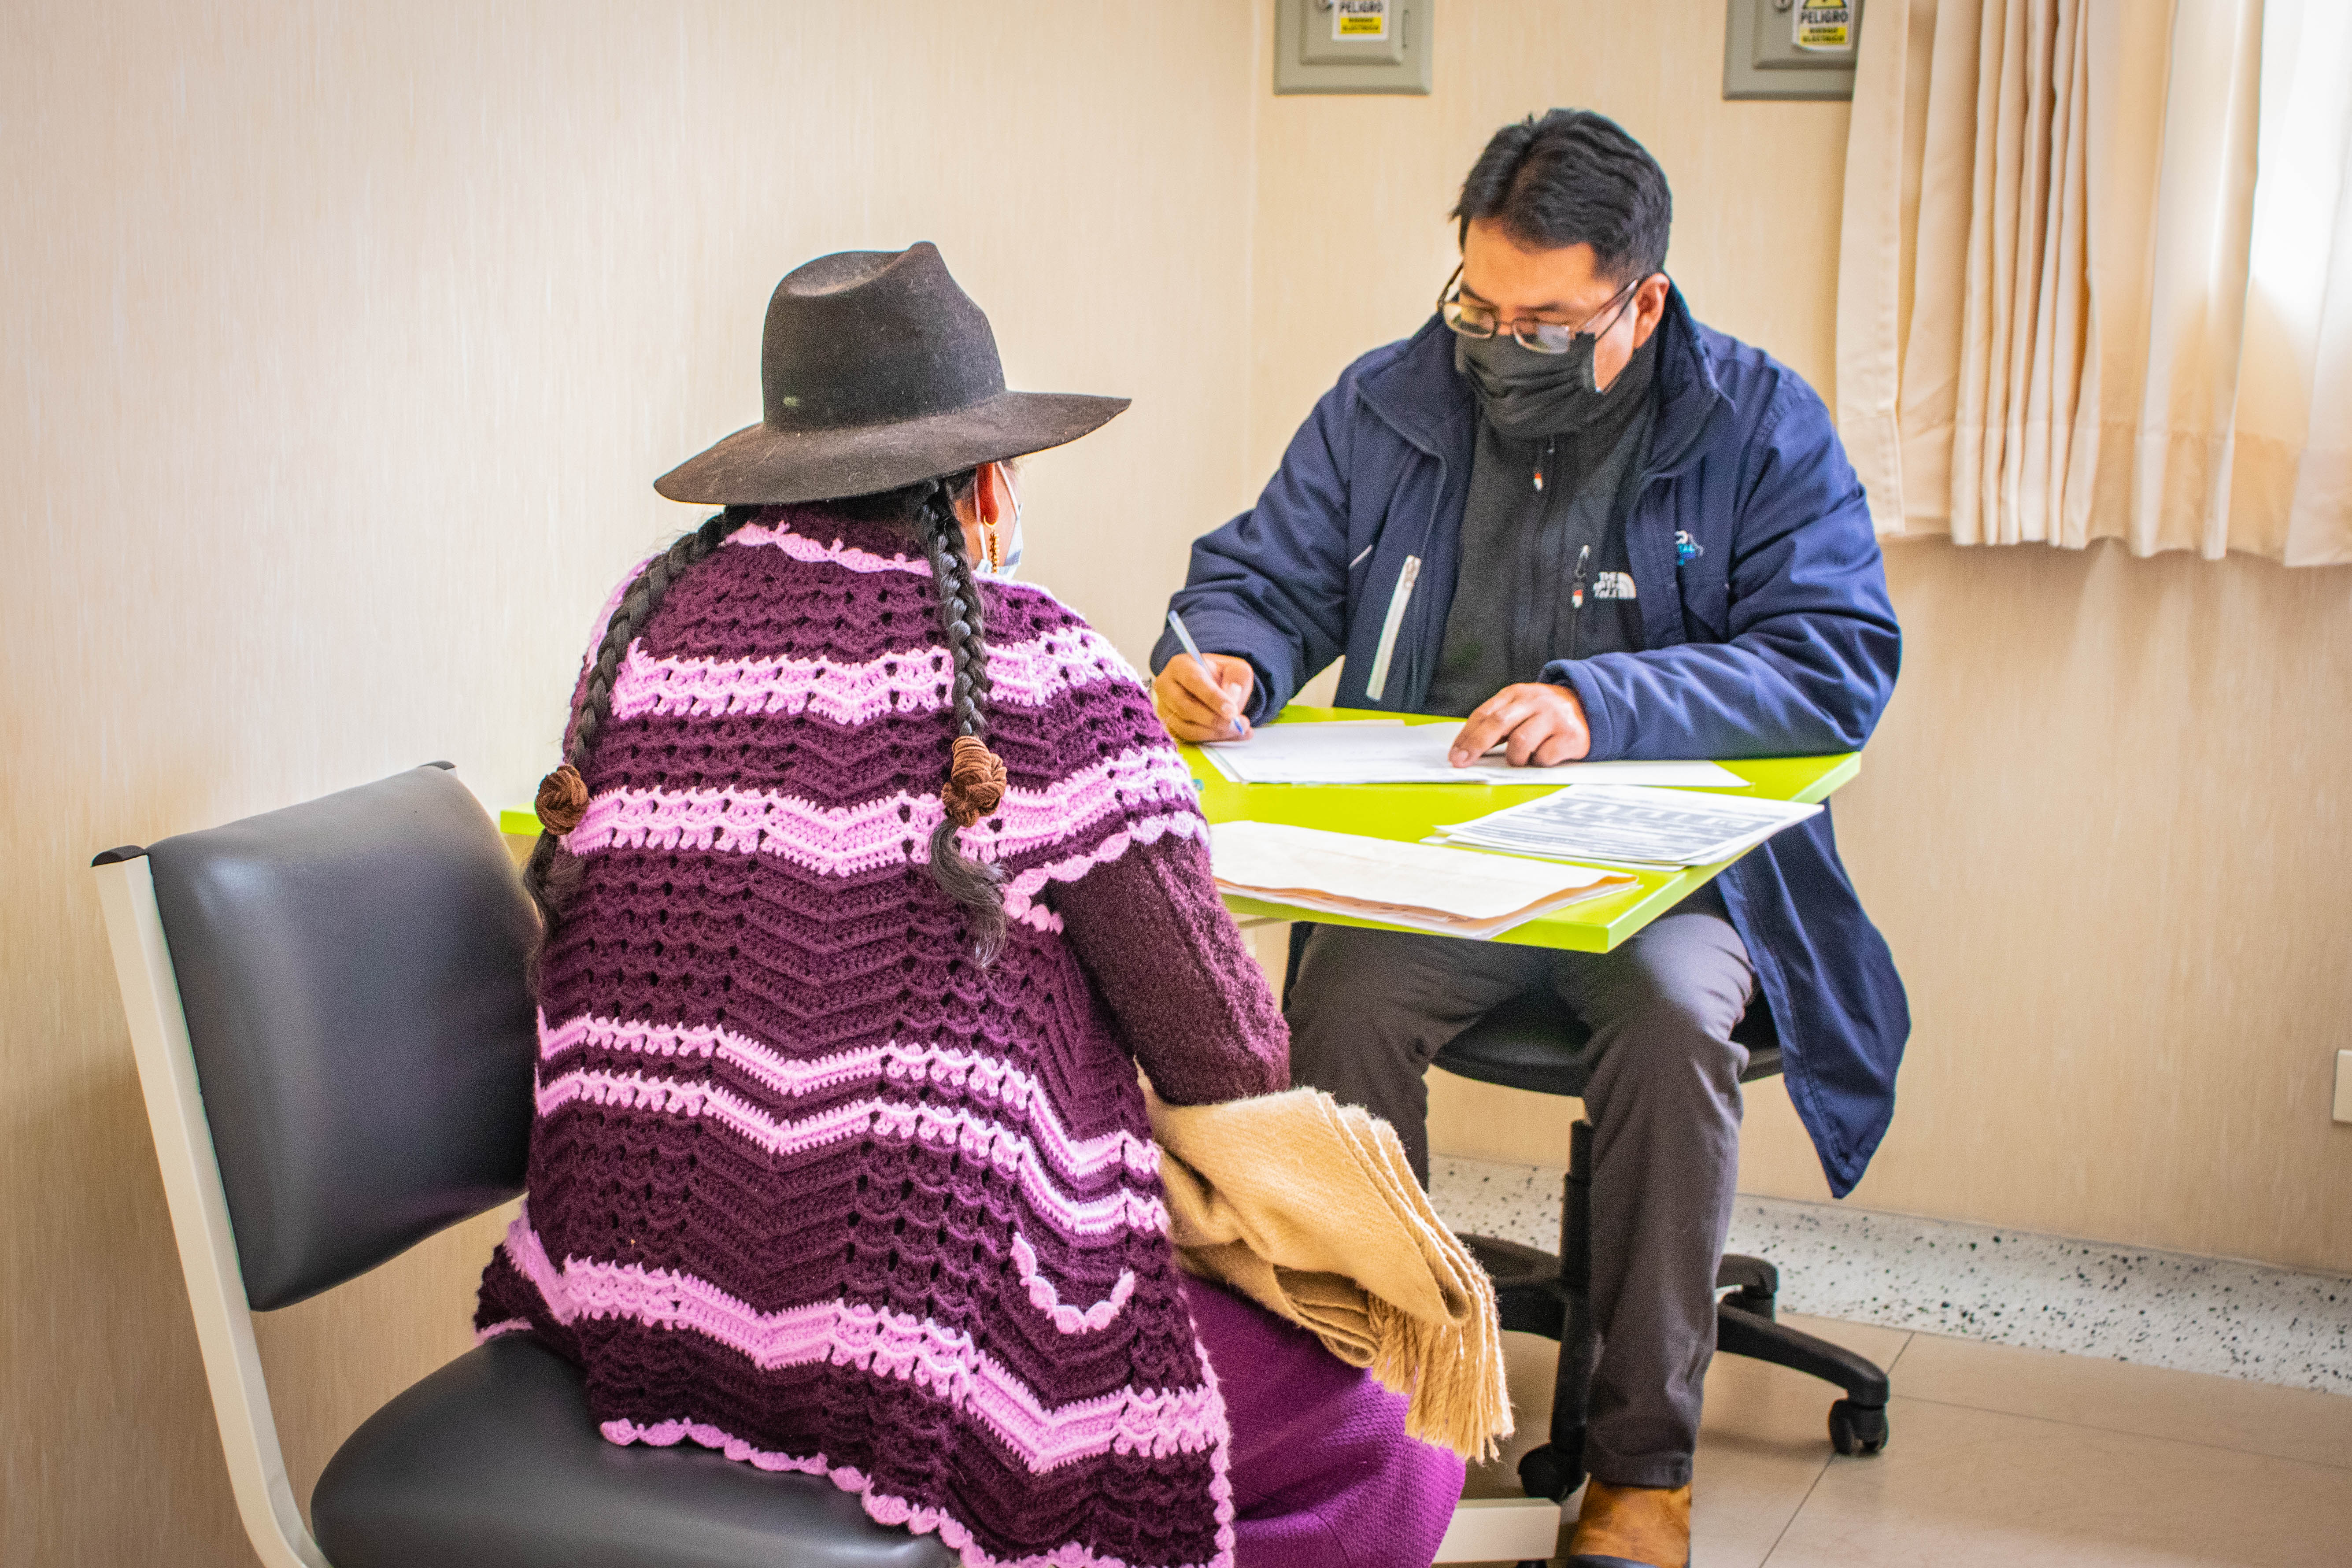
x=870 y=877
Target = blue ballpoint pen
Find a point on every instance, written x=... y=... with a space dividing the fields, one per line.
x=1176 y=624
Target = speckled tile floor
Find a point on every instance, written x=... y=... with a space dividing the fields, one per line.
x=1974 y=1282
x=2001 y=1456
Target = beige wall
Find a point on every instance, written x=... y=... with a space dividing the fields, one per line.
x=340 y=346
x=2105 y=824
x=2107 y=830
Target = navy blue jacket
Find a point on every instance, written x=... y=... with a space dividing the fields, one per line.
x=1764 y=612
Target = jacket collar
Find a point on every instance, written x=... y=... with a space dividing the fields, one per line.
x=1421 y=396
x=1688 y=392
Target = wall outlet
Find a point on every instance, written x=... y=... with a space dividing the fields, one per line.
x=2344 y=1086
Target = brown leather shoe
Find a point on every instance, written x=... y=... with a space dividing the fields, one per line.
x=1631 y=1527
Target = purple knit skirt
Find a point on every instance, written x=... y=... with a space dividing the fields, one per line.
x=1323 y=1473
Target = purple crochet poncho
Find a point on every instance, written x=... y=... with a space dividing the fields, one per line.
x=806 y=1184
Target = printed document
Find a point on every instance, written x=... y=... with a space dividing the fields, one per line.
x=1646 y=828
x=1453 y=892
x=1389 y=751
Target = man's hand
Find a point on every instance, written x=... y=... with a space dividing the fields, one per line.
x=1542 y=724
x=1194 y=708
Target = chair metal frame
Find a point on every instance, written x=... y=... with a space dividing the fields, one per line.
x=200 y=1219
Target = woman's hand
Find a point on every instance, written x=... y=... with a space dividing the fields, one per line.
x=1194 y=708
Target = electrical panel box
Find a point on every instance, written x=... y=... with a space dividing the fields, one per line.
x=1790 y=49
x=1352 y=45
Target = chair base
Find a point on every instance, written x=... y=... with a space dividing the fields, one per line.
x=1539 y=1292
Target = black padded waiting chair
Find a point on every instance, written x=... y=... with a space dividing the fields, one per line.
x=1533 y=1043
x=327 y=1008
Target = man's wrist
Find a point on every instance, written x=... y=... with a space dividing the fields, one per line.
x=1600 y=736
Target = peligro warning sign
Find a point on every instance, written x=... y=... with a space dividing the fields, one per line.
x=1360 y=21
x=1826 y=28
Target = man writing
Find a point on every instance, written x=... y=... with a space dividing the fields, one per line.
x=1594 y=528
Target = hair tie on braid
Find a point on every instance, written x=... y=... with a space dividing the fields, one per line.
x=975 y=781
x=563 y=800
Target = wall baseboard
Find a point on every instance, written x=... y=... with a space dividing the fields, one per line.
x=1982 y=1282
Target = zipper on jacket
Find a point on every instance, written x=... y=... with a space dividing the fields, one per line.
x=1576 y=597
x=1388 y=628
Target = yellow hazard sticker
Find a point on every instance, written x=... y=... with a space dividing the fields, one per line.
x=1360 y=21
x=1828 y=28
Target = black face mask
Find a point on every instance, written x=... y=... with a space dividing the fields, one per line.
x=1524 y=394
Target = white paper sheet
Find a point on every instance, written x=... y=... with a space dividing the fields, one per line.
x=1659 y=828
x=1424 y=887
x=1378 y=751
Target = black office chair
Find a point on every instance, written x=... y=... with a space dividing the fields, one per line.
x=1531 y=1043
x=328 y=1007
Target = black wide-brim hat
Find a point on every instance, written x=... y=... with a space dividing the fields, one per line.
x=875 y=370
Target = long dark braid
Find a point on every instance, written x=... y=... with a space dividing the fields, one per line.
x=552 y=876
x=975 y=776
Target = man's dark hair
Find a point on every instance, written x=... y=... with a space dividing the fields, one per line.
x=1574 y=177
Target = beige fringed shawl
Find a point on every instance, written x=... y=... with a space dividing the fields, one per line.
x=1308 y=1207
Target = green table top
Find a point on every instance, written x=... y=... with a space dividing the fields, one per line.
x=1411 y=812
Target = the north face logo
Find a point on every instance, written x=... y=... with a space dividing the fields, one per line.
x=1614 y=585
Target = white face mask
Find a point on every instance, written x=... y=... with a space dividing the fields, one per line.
x=1010 y=561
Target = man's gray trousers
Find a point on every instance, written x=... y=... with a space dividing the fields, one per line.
x=1369 y=1010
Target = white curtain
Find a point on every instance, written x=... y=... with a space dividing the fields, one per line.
x=2096 y=274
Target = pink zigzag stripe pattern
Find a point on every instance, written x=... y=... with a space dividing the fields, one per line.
x=1029 y=674
x=1065 y=1318
x=840 y=841
x=941 y=1360
x=900 y=1513
x=1021 y=893
x=910 y=1065
x=800 y=547
x=897 y=1510
x=1011 y=1154
x=804 y=547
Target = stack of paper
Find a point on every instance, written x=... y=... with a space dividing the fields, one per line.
x=1453 y=892
x=1389 y=751
x=1629 y=826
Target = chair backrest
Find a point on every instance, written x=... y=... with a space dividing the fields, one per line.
x=334 y=1040
x=352 y=975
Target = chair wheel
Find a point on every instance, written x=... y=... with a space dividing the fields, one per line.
x=1857 y=1428
x=1543 y=1473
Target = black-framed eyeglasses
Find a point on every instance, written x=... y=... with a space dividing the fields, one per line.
x=1472 y=320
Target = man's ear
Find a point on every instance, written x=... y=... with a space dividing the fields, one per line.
x=1649 y=306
